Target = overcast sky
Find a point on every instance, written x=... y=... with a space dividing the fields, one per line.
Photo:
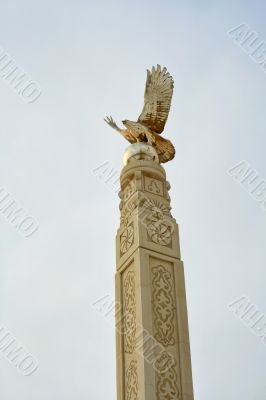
x=89 y=58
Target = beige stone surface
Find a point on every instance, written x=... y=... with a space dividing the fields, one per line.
x=152 y=339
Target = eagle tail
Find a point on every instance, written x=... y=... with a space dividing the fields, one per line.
x=164 y=148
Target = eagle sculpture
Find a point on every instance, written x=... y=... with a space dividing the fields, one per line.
x=157 y=101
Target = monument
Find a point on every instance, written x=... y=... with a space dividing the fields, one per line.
x=153 y=351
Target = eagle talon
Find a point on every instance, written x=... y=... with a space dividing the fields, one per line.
x=150 y=139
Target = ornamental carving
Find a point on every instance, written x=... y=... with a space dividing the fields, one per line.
x=160 y=226
x=154 y=215
x=128 y=211
x=129 y=316
x=132 y=381
x=163 y=305
x=153 y=186
x=160 y=232
x=129 y=190
x=157 y=209
x=131 y=208
x=167 y=387
x=127 y=239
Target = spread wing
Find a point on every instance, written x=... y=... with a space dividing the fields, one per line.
x=157 y=99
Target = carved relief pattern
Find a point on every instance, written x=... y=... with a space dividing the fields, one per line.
x=163 y=305
x=129 y=312
x=154 y=186
x=157 y=209
x=160 y=227
x=160 y=232
x=167 y=387
x=132 y=381
x=127 y=211
x=127 y=239
x=132 y=207
x=129 y=189
x=155 y=215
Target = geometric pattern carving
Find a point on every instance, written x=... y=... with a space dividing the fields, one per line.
x=127 y=239
x=132 y=381
x=166 y=381
x=163 y=306
x=129 y=312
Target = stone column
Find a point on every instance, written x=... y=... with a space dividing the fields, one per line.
x=153 y=352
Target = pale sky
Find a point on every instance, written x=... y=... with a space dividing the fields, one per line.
x=90 y=60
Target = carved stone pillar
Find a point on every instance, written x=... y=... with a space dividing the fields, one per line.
x=153 y=352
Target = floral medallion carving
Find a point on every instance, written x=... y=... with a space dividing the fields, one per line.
x=127 y=239
x=167 y=387
x=129 y=312
x=160 y=226
x=160 y=232
x=132 y=381
x=163 y=305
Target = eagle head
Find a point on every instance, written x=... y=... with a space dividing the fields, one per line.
x=128 y=124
